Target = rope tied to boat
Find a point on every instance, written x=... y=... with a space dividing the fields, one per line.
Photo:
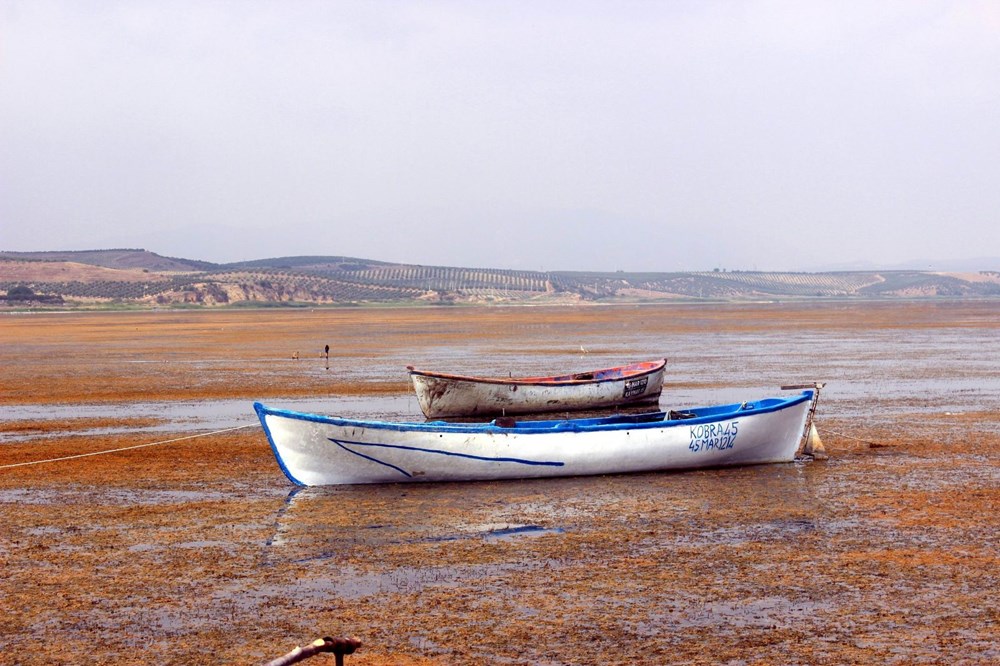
x=128 y=448
x=856 y=439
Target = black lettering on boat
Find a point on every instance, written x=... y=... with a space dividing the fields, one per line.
x=634 y=387
x=709 y=436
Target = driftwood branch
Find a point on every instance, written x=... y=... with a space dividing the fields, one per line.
x=338 y=646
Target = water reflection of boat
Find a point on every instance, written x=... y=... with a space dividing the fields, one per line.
x=343 y=524
x=446 y=395
x=312 y=449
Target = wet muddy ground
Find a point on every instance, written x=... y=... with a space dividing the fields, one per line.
x=198 y=550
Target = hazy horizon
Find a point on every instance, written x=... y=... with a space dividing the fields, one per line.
x=536 y=136
x=968 y=265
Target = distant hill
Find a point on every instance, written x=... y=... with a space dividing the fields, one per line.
x=972 y=265
x=308 y=264
x=122 y=259
x=135 y=277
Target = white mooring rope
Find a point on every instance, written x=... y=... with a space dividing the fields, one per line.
x=127 y=448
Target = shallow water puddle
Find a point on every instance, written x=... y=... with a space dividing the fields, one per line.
x=182 y=417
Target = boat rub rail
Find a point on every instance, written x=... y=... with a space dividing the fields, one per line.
x=616 y=422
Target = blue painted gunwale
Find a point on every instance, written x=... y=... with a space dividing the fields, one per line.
x=712 y=414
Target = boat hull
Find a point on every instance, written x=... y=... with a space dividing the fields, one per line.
x=323 y=450
x=442 y=395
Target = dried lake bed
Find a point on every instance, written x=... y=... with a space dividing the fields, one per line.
x=199 y=550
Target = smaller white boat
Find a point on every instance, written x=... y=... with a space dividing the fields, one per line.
x=326 y=450
x=444 y=395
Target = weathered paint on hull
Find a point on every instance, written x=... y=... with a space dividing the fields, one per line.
x=321 y=450
x=441 y=395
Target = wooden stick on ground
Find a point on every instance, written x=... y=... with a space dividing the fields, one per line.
x=338 y=646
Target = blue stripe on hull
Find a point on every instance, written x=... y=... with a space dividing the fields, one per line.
x=520 y=461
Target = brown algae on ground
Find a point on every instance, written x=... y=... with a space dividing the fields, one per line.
x=884 y=553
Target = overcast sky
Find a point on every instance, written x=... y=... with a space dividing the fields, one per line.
x=657 y=136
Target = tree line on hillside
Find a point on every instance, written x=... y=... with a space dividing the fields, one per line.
x=332 y=283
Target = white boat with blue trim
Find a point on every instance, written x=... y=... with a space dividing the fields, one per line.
x=315 y=450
